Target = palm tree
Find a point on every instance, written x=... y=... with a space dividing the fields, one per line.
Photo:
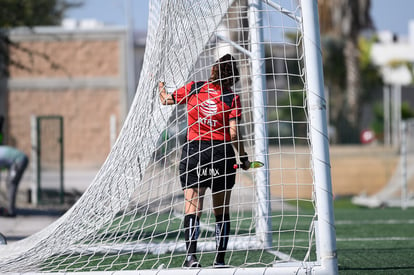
x=346 y=19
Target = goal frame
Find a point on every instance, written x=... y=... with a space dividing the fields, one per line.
x=325 y=236
x=322 y=227
x=325 y=230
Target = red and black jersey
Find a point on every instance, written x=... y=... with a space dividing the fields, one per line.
x=209 y=110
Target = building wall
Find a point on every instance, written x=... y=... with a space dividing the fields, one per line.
x=70 y=57
x=86 y=115
x=78 y=74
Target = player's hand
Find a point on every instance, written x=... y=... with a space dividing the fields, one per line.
x=245 y=162
x=246 y=165
x=163 y=93
x=161 y=86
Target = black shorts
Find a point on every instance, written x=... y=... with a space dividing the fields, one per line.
x=208 y=164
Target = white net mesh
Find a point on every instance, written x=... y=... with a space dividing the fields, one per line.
x=399 y=190
x=131 y=216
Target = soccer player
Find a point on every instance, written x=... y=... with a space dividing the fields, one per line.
x=15 y=161
x=208 y=157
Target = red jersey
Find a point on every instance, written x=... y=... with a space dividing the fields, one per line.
x=209 y=110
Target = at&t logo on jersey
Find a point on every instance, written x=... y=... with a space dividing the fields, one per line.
x=208 y=108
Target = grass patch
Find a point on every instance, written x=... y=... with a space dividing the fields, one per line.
x=374 y=241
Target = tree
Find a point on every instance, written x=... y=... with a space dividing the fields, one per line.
x=371 y=78
x=334 y=74
x=345 y=20
x=27 y=13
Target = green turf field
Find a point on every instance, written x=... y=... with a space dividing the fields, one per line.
x=374 y=241
x=369 y=241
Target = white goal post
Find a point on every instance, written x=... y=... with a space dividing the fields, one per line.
x=131 y=218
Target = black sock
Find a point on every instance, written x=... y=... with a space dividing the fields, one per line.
x=222 y=236
x=191 y=231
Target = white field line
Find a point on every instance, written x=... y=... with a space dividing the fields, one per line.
x=359 y=239
x=374 y=222
x=375 y=239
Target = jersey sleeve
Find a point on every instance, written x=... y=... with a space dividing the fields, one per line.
x=236 y=108
x=180 y=95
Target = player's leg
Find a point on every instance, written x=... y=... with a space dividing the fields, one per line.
x=15 y=175
x=221 y=201
x=194 y=198
x=11 y=194
x=221 y=191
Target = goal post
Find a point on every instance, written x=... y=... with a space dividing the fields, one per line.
x=131 y=218
x=319 y=136
x=264 y=223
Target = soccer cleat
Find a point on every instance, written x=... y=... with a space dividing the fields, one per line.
x=191 y=262
x=219 y=265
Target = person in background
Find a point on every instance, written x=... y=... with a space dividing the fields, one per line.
x=1 y=129
x=15 y=161
x=208 y=157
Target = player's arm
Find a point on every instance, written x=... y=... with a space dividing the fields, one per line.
x=165 y=98
x=238 y=144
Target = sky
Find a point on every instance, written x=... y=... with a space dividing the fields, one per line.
x=387 y=15
x=113 y=12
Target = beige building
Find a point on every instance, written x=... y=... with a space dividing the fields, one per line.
x=83 y=75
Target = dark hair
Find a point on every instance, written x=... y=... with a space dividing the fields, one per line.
x=225 y=70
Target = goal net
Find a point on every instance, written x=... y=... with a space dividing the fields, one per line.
x=399 y=191
x=132 y=215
